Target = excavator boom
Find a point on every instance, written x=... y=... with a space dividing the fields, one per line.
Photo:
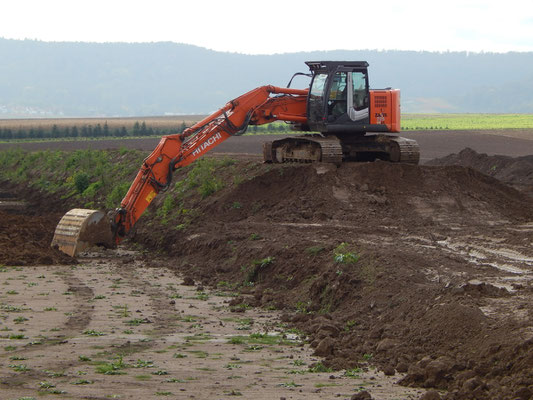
x=259 y=106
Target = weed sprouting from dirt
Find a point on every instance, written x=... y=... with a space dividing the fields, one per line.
x=343 y=254
x=256 y=267
x=319 y=367
x=112 y=368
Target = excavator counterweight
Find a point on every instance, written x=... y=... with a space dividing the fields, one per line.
x=338 y=108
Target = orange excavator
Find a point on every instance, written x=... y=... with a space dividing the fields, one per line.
x=339 y=107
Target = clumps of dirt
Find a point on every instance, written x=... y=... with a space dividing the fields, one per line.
x=517 y=172
x=281 y=235
x=25 y=240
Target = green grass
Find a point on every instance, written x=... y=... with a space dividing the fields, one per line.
x=466 y=121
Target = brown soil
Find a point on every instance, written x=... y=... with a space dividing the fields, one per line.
x=441 y=288
x=440 y=291
x=517 y=172
x=25 y=240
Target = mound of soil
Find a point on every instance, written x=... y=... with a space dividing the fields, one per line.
x=25 y=240
x=517 y=172
x=409 y=303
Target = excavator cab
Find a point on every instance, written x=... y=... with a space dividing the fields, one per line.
x=339 y=96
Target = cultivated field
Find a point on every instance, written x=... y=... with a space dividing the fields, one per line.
x=466 y=121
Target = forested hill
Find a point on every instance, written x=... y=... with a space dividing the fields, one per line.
x=119 y=79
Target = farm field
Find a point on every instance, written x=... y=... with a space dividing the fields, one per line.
x=29 y=130
x=400 y=279
x=466 y=121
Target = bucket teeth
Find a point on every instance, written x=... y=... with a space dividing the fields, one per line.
x=80 y=229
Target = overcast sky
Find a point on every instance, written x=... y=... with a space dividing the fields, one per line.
x=279 y=26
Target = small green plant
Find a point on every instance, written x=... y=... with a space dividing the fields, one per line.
x=17 y=336
x=92 y=332
x=201 y=296
x=319 y=367
x=175 y=380
x=50 y=309
x=112 y=368
x=81 y=182
x=255 y=236
x=19 y=367
x=136 y=321
x=164 y=393
x=342 y=255
x=160 y=372
x=367 y=357
x=82 y=382
x=349 y=324
x=236 y=340
x=232 y=366
x=236 y=205
x=20 y=320
x=353 y=373
x=144 y=364
x=54 y=374
x=12 y=292
x=179 y=355
x=303 y=306
x=84 y=358
x=46 y=385
x=256 y=267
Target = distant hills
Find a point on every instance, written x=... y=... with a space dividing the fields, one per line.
x=51 y=79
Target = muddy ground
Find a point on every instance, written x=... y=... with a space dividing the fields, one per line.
x=423 y=272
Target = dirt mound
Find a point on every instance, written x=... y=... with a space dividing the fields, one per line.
x=377 y=262
x=513 y=171
x=25 y=240
x=372 y=194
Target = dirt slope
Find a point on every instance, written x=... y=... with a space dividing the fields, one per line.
x=444 y=261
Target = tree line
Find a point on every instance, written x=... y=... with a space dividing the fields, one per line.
x=139 y=129
x=86 y=131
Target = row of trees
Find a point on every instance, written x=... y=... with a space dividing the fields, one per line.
x=102 y=131
x=86 y=131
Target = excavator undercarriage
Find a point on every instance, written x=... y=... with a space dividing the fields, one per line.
x=332 y=149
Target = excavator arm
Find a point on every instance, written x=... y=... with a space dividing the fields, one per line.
x=80 y=229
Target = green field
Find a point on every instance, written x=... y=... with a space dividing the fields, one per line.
x=120 y=128
x=466 y=121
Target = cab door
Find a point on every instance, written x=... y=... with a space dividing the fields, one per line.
x=348 y=98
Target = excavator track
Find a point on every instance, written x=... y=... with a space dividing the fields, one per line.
x=303 y=149
x=332 y=149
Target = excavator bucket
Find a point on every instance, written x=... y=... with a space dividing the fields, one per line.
x=80 y=229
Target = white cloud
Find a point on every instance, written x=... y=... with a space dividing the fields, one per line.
x=279 y=25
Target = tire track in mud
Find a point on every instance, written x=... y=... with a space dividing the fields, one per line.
x=84 y=310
